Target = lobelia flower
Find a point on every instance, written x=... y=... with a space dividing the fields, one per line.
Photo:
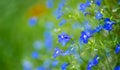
x=55 y=63
x=99 y=15
x=35 y=55
x=48 y=40
x=49 y=3
x=62 y=22
x=58 y=14
x=63 y=38
x=57 y=52
x=32 y=21
x=82 y=7
x=40 y=68
x=97 y=29
x=108 y=24
x=98 y=2
x=92 y=63
x=117 y=49
x=64 y=66
x=85 y=36
x=117 y=68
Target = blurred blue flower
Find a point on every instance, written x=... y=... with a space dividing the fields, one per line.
x=55 y=63
x=47 y=63
x=82 y=7
x=35 y=55
x=117 y=49
x=40 y=68
x=49 y=25
x=99 y=15
x=117 y=68
x=57 y=52
x=58 y=14
x=85 y=36
x=108 y=24
x=48 y=40
x=62 y=22
x=64 y=66
x=27 y=65
x=61 y=4
x=63 y=38
x=49 y=3
x=37 y=45
x=32 y=21
x=98 y=2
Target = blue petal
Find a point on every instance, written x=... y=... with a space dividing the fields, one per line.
x=117 y=68
x=64 y=66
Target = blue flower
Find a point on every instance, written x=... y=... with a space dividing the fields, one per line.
x=62 y=22
x=38 y=45
x=57 y=52
x=32 y=21
x=98 y=2
x=99 y=15
x=95 y=60
x=117 y=68
x=35 y=55
x=85 y=36
x=98 y=29
x=55 y=63
x=48 y=40
x=27 y=65
x=40 y=68
x=92 y=63
x=64 y=66
x=108 y=24
x=49 y=3
x=58 y=14
x=61 y=4
x=82 y=7
x=63 y=38
x=117 y=49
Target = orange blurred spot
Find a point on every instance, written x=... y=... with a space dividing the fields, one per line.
x=37 y=10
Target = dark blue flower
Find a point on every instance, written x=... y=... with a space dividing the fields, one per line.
x=64 y=66
x=108 y=24
x=93 y=62
x=62 y=22
x=117 y=49
x=99 y=15
x=63 y=38
x=35 y=55
x=57 y=52
x=32 y=21
x=85 y=36
x=117 y=68
x=90 y=65
x=98 y=2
